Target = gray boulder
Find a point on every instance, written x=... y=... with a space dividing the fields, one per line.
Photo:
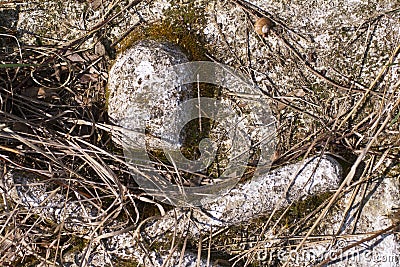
x=143 y=89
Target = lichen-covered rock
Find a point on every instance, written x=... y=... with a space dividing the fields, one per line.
x=276 y=189
x=55 y=21
x=347 y=41
x=149 y=89
x=33 y=193
x=324 y=34
x=367 y=214
x=144 y=89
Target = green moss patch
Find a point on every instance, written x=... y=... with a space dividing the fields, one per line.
x=179 y=27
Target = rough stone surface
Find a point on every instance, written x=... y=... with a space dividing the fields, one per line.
x=56 y=21
x=326 y=34
x=143 y=89
x=367 y=215
x=241 y=204
x=53 y=205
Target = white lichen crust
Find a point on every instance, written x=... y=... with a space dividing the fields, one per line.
x=144 y=89
x=275 y=190
x=367 y=215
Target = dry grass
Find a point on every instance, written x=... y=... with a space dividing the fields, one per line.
x=54 y=126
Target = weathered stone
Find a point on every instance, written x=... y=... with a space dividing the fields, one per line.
x=328 y=35
x=367 y=214
x=324 y=34
x=144 y=89
x=263 y=194
x=149 y=89
x=40 y=197
x=276 y=189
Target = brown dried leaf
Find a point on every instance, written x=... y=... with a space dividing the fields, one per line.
x=89 y=77
x=295 y=93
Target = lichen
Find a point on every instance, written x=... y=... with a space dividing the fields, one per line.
x=244 y=236
x=181 y=26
